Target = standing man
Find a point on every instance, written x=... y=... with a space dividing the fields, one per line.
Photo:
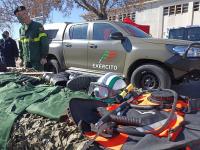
x=9 y=50
x=1 y=52
x=33 y=44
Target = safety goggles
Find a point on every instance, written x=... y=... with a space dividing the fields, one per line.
x=102 y=91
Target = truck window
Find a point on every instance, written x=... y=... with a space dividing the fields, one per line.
x=185 y=33
x=51 y=33
x=78 y=31
x=194 y=34
x=178 y=34
x=102 y=31
x=133 y=31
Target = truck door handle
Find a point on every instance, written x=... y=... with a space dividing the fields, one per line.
x=68 y=45
x=93 y=46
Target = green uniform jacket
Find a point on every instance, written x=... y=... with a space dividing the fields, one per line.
x=33 y=43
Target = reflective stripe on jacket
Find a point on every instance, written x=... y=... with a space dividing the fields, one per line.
x=33 y=43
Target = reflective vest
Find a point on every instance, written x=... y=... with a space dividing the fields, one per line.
x=33 y=43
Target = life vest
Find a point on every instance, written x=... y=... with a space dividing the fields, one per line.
x=160 y=113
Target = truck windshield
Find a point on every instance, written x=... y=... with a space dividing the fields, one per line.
x=133 y=31
x=177 y=34
x=189 y=33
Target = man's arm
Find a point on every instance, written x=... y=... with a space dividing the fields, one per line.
x=20 y=46
x=44 y=42
x=1 y=43
x=15 y=49
x=20 y=52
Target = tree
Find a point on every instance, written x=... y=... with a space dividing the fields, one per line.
x=42 y=8
x=98 y=7
x=37 y=8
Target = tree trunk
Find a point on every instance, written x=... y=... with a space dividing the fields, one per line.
x=102 y=16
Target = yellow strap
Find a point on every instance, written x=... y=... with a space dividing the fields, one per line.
x=37 y=39
x=21 y=40
x=40 y=35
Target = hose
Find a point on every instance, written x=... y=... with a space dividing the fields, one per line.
x=138 y=121
x=171 y=115
x=143 y=107
x=123 y=120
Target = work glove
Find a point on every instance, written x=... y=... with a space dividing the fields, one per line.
x=19 y=62
x=43 y=61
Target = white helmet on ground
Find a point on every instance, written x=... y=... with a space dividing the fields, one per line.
x=107 y=86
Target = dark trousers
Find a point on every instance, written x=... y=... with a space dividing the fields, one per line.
x=10 y=63
x=34 y=65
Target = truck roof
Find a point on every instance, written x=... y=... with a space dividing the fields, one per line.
x=55 y=30
x=186 y=27
x=55 y=25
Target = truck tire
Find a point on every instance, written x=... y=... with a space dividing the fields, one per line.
x=150 y=76
x=52 y=66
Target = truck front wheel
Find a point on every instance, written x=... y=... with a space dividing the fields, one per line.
x=52 y=66
x=150 y=76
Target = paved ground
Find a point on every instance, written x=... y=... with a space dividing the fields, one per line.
x=191 y=89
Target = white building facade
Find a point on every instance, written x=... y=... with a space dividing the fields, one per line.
x=166 y=14
x=163 y=15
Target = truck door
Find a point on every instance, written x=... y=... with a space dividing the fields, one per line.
x=75 y=45
x=105 y=54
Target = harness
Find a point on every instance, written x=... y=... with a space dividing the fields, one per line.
x=157 y=112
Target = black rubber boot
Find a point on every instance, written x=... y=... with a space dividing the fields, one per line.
x=81 y=82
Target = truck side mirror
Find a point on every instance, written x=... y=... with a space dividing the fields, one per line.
x=117 y=36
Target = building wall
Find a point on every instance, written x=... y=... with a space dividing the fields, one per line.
x=180 y=13
x=178 y=19
x=151 y=15
x=163 y=15
x=196 y=20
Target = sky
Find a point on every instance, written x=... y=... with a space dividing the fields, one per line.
x=56 y=17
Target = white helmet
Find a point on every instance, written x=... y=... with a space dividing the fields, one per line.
x=108 y=86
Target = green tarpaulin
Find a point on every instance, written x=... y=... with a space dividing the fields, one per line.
x=56 y=105
x=15 y=98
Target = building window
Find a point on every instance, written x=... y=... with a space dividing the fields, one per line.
x=185 y=8
x=171 y=10
x=129 y=15
x=178 y=9
x=124 y=16
x=114 y=18
x=110 y=18
x=120 y=17
x=166 y=11
x=196 y=6
x=133 y=16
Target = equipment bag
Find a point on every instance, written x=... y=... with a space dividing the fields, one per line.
x=156 y=117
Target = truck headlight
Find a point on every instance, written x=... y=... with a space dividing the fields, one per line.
x=177 y=49
x=181 y=50
x=193 y=52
